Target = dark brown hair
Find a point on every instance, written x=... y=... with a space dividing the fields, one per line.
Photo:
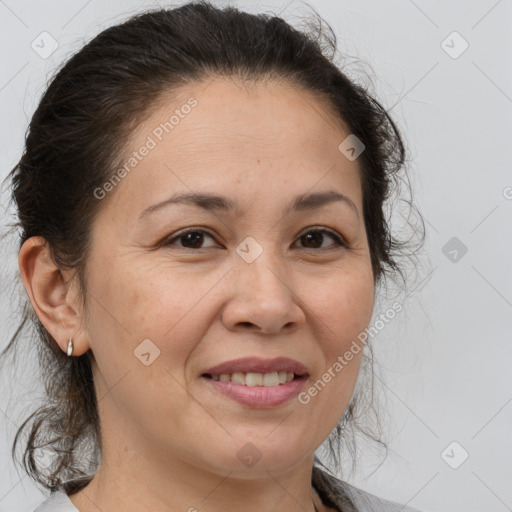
x=75 y=141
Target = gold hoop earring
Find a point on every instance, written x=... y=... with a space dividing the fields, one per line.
x=70 y=346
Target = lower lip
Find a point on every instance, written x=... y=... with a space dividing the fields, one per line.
x=259 y=397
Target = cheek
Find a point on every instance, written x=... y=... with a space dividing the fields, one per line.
x=343 y=309
x=142 y=300
x=126 y=308
x=133 y=309
x=344 y=305
x=162 y=303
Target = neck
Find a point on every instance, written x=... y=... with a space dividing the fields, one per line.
x=134 y=482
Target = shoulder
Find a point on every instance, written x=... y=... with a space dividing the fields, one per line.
x=334 y=492
x=345 y=497
x=367 y=502
x=57 y=502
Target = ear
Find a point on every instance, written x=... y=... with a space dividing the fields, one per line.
x=54 y=300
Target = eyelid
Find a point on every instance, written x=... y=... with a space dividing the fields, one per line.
x=339 y=239
x=182 y=232
x=322 y=229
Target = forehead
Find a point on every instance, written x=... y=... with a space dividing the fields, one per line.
x=219 y=133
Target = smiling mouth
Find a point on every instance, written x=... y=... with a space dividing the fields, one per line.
x=251 y=379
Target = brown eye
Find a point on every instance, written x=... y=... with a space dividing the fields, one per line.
x=192 y=239
x=313 y=239
x=195 y=238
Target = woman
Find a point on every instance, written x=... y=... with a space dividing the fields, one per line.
x=201 y=206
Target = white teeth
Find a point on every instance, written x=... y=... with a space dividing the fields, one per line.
x=238 y=378
x=253 y=379
x=256 y=379
x=271 y=379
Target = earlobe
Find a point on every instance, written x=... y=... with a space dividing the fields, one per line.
x=48 y=293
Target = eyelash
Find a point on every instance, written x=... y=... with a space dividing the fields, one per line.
x=169 y=241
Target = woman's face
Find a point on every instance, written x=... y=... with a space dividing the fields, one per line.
x=256 y=277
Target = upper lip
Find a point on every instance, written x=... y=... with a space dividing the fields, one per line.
x=258 y=365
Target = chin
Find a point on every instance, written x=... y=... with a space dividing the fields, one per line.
x=249 y=460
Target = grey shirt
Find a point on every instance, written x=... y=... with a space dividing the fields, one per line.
x=334 y=493
x=343 y=497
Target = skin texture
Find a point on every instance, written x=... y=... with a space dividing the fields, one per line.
x=170 y=442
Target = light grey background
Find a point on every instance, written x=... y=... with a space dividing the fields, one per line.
x=445 y=360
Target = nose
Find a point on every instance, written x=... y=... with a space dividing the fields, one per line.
x=263 y=298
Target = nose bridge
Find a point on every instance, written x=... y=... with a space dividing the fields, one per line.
x=263 y=291
x=261 y=263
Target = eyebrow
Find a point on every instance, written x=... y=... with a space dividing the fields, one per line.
x=213 y=202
